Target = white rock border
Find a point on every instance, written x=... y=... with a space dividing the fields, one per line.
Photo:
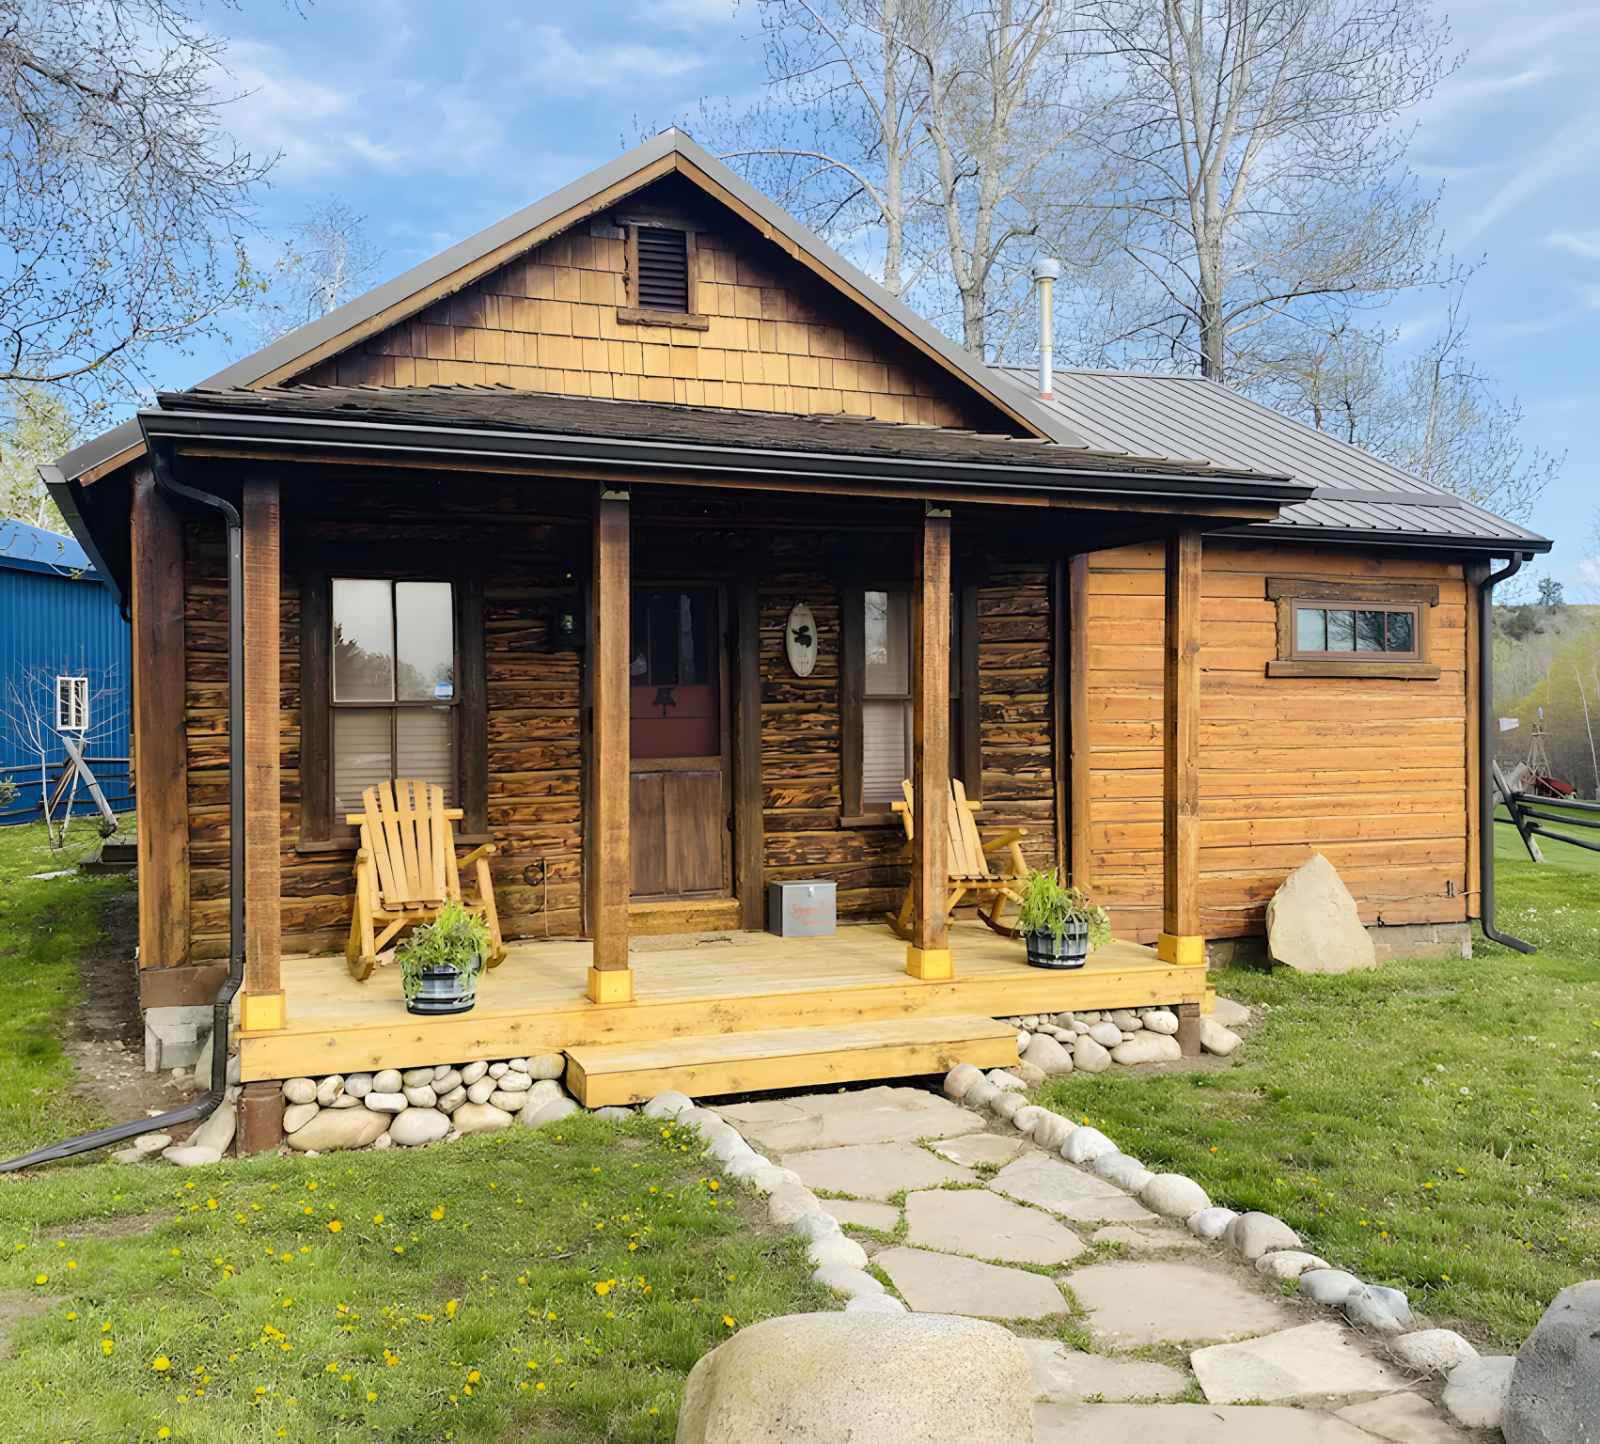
x=1259 y=1238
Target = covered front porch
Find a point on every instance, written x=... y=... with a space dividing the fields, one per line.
x=713 y=1013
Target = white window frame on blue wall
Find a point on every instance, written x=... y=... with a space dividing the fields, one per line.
x=72 y=704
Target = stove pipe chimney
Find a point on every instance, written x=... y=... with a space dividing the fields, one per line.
x=1045 y=272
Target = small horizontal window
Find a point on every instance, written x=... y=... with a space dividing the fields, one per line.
x=1356 y=629
x=1321 y=631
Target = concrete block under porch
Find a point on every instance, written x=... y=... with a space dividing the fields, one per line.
x=720 y=1014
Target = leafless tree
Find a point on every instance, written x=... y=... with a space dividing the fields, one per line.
x=930 y=139
x=328 y=259
x=1256 y=166
x=121 y=197
x=30 y=712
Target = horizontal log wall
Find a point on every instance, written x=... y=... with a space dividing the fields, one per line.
x=534 y=810
x=776 y=338
x=1372 y=773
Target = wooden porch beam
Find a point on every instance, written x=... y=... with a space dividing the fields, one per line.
x=262 y=1004
x=928 y=954
x=1180 y=941
x=160 y=755
x=610 y=977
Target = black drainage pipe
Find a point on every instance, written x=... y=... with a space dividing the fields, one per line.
x=1486 y=755
x=222 y=1005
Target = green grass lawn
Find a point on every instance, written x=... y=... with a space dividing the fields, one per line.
x=46 y=927
x=555 y=1285
x=1432 y=1125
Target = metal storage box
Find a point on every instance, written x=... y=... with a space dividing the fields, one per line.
x=801 y=909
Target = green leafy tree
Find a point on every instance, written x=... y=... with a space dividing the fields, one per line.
x=35 y=427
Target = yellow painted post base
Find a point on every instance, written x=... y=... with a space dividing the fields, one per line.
x=1184 y=951
x=610 y=985
x=259 y=1012
x=931 y=965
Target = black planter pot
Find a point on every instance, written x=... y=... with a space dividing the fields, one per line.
x=443 y=990
x=1046 y=951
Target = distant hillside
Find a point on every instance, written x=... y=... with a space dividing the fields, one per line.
x=1550 y=659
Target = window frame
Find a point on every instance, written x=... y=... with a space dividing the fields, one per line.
x=79 y=703
x=965 y=719
x=321 y=828
x=632 y=314
x=1291 y=594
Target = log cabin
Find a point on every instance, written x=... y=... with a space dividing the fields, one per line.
x=531 y=521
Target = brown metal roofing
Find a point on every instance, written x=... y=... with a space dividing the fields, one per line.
x=1202 y=421
x=510 y=409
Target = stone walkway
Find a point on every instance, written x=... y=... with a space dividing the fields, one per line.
x=1134 y=1328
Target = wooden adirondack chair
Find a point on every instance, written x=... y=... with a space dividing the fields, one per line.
x=967 y=862
x=407 y=870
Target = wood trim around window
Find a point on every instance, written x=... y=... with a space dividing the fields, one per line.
x=1418 y=598
x=320 y=830
x=966 y=709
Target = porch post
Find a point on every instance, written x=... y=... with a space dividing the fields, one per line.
x=928 y=955
x=610 y=977
x=1180 y=941
x=262 y=1003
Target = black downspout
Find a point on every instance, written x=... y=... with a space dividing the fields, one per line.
x=201 y=1108
x=1486 y=755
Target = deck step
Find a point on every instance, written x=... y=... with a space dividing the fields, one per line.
x=786 y=1058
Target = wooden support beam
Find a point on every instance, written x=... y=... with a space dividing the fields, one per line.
x=160 y=757
x=1069 y=632
x=610 y=977
x=262 y=1004
x=928 y=954
x=748 y=814
x=1180 y=940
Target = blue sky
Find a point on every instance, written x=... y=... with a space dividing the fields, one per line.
x=435 y=120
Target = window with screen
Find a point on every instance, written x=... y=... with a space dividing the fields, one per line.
x=72 y=704
x=1331 y=628
x=392 y=685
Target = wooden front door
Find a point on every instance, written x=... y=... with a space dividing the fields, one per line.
x=678 y=814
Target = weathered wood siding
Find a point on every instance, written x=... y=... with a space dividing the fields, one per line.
x=778 y=338
x=1372 y=773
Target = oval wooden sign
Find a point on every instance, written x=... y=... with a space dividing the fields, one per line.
x=800 y=640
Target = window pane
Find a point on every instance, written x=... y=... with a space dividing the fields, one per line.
x=1402 y=632
x=363 y=641
x=1369 y=631
x=1341 y=631
x=885 y=751
x=1310 y=629
x=424 y=621
x=888 y=643
x=423 y=747
x=361 y=758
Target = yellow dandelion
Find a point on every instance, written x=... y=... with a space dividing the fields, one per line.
x=372 y=1396
x=539 y=1387
x=163 y=1432
x=41 y=1279
x=473 y=1376
x=72 y=1263
x=72 y=1316
x=334 y=1226
x=399 y=1248
x=450 y=1307
x=161 y=1363
x=377 y=1218
x=212 y=1204
x=106 y=1346
x=713 y=1185
x=729 y=1320
x=437 y=1212
x=603 y=1287
x=311 y=1184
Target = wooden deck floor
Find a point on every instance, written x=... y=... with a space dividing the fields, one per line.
x=534 y=1002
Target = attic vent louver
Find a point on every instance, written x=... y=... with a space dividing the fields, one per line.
x=663 y=283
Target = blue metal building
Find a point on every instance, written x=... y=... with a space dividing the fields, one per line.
x=59 y=622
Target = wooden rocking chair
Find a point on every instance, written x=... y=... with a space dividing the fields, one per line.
x=967 y=862
x=406 y=870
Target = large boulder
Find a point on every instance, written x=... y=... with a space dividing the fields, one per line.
x=1555 y=1384
x=860 y=1376
x=1313 y=925
x=338 y=1128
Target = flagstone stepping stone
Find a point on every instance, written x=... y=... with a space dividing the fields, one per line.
x=1046 y=1182
x=941 y=1283
x=1189 y=1424
x=884 y=1217
x=834 y=1120
x=976 y=1222
x=1311 y=1362
x=1405 y=1418
x=874 y=1170
x=1144 y=1240
x=977 y=1148
x=1067 y=1376
x=1151 y=1301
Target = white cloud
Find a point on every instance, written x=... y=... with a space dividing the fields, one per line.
x=687 y=14
x=1588 y=571
x=558 y=61
x=1576 y=243
x=1569 y=152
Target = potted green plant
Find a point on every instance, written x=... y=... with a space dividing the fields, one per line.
x=1060 y=924
x=440 y=962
